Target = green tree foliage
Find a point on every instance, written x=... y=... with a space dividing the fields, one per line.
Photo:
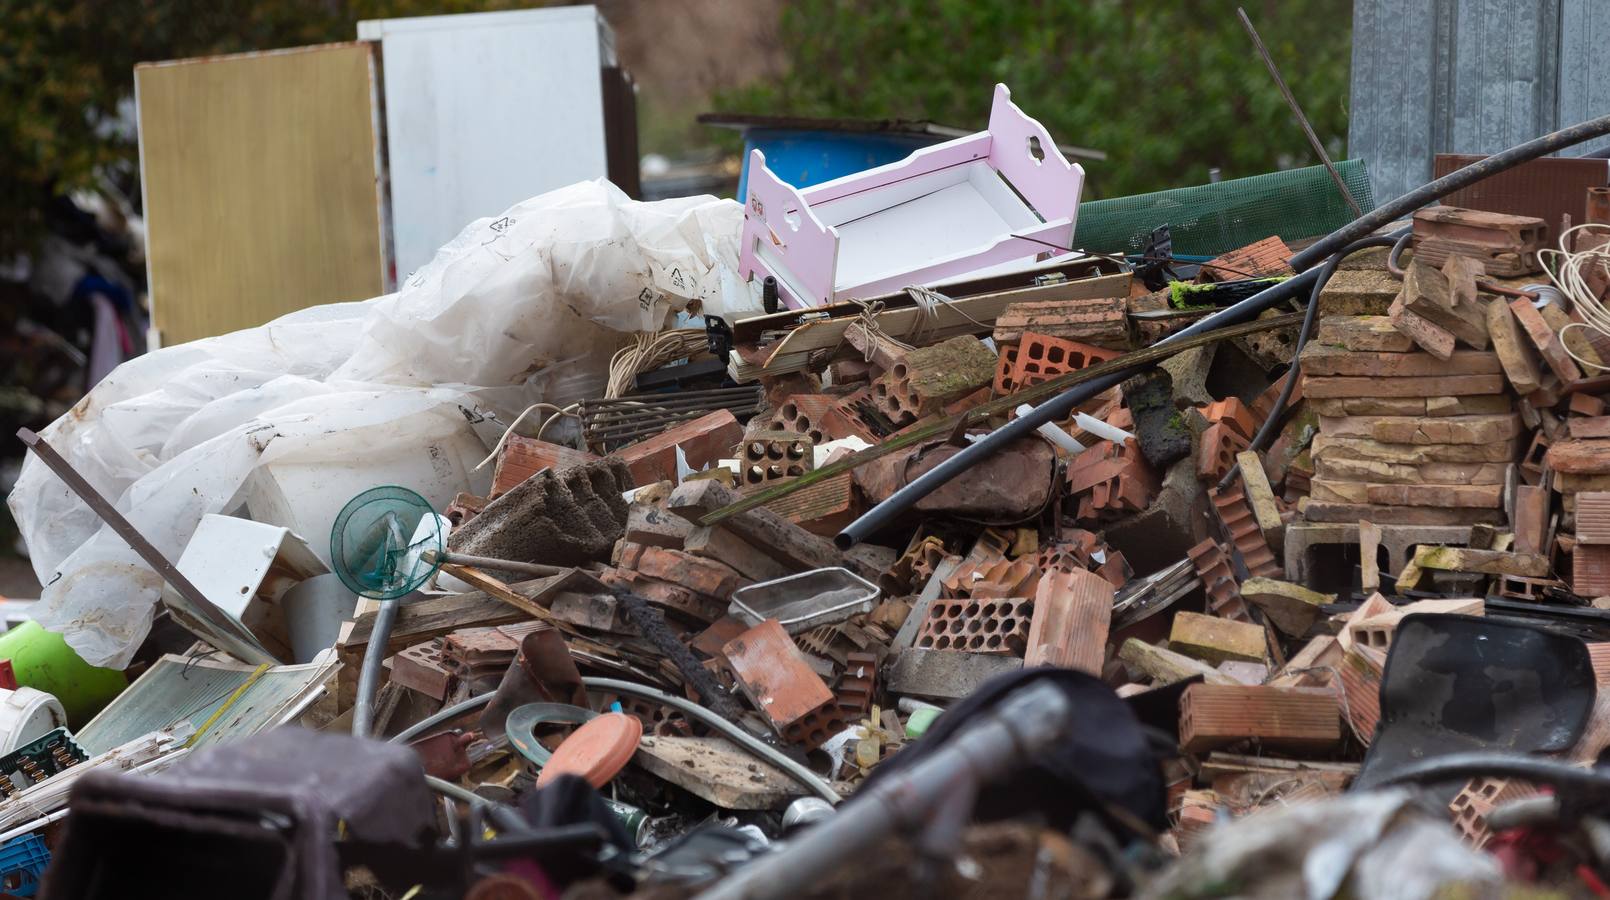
x=1168 y=88
x=67 y=67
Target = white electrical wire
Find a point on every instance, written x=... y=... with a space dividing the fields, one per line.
x=1569 y=274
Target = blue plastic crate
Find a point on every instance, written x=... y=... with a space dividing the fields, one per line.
x=22 y=865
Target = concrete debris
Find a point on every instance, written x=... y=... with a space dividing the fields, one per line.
x=1223 y=544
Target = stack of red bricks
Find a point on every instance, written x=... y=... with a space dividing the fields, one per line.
x=1406 y=437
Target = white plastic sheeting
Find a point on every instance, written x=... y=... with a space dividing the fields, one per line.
x=286 y=421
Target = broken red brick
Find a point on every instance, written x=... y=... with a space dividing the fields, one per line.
x=977 y=626
x=1218 y=715
x=1068 y=627
x=522 y=457
x=703 y=441
x=773 y=674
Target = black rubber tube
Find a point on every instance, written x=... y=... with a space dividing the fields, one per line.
x=1447 y=184
x=1057 y=408
x=881 y=515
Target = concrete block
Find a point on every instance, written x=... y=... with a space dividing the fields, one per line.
x=945 y=674
x=1165 y=666
x=1291 y=607
x=563 y=517
x=1159 y=427
x=1319 y=555
x=1216 y=640
x=1362 y=334
x=1164 y=531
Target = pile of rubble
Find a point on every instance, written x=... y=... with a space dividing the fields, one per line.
x=1233 y=570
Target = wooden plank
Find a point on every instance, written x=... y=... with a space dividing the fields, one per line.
x=717 y=771
x=793 y=352
x=258 y=173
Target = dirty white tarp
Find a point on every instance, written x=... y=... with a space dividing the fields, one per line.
x=287 y=421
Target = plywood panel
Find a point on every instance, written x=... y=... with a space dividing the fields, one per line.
x=261 y=196
x=484 y=110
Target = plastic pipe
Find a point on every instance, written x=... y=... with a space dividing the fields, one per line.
x=1055 y=435
x=743 y=738
x=363 y=710
x=1101 y=429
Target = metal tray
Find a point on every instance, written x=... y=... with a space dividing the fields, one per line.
x=804 y=601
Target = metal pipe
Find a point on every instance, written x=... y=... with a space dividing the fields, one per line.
x=1055 y=409
x=1031 y=719
x=490 y=562
x=369 y=675
x=622 y=414
x=1447 y=184
x=745 y=740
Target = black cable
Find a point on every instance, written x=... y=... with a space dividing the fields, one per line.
x=1272 y=423
x=903 y=499
x=1447 y=184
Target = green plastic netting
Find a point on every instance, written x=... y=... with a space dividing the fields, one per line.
x=1214 y=218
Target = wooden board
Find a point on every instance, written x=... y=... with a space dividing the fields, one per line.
x=716 y=770
x=259 y=177
x=970 y=315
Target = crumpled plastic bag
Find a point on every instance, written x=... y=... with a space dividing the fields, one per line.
x=508 y=313
x=1377 y=845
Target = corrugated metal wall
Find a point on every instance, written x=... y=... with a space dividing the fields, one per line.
x=1469 y=76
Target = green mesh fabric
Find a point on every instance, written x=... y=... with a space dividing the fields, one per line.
x=1215 y=218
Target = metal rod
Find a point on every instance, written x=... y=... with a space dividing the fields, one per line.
x=678 y=395
x=232 y=637
x=619 y=417
x=1054 y=410
x=1296 y=110
x=488 y=562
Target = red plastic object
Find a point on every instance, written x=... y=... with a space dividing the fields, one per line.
x=8 y=675
x=596 y=751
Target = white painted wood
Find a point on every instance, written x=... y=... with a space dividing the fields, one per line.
x=485 y=110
